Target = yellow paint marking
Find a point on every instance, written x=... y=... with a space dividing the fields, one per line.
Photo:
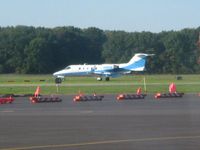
x=7 y=111
x=103 y=142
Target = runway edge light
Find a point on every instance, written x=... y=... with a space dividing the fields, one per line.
x=82 y=97
x=172 y=93
x=37 y=98
x=138 y=95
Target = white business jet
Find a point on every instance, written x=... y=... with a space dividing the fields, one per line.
x=137 y=63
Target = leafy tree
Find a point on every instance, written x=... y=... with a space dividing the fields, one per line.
x=26 y=49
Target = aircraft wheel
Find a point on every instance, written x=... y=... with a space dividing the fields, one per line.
x=107 y=78
x=58 y=80
x=99 y=79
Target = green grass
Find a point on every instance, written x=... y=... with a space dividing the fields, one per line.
x=23 y=84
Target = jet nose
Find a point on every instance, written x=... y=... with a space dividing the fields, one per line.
x=55 y=73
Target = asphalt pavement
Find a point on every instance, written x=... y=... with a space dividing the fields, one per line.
x=167 y=124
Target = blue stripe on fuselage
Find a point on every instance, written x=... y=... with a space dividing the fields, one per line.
x=77 y=74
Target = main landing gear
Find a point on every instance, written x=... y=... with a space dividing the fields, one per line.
x=106 y=79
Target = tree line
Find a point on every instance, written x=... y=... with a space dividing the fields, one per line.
x=26 y=49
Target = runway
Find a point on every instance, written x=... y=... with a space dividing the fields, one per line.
x=109 y=124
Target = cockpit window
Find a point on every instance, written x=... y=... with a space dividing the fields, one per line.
x=68 y=67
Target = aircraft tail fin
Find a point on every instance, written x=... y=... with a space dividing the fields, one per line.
x=137 y=63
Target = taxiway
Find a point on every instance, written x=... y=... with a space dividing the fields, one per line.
x=108 y=124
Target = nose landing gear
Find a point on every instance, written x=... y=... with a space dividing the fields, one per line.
x=58 y=80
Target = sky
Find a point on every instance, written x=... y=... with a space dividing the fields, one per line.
x=126 y=15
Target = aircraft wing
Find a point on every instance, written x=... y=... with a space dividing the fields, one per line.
x=111 y=72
